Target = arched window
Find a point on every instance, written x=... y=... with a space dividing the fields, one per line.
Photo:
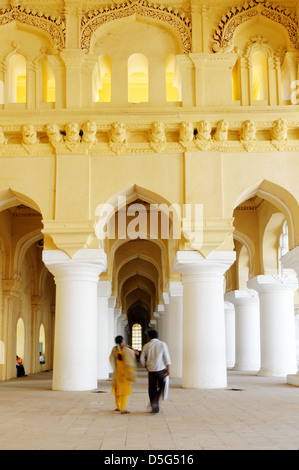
x=259 y=63
x=48 y=82
x=137 y=78
x=102 y=80
x=17 y=78
x=173 y=81
x=137 y=336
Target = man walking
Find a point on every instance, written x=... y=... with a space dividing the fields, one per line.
x=155 y=358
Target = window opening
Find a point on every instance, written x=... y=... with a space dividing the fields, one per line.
x=137 y=78
x=173 y=82
x=137 y=336
x=102 y=80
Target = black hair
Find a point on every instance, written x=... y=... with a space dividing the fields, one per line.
x=119 y=339
x=153 y=334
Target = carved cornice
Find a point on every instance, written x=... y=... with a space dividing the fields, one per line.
x=54 y=27
x=171 y=17
x=223 y=36
x=98 y=138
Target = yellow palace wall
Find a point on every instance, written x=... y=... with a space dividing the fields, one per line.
x=66 y=182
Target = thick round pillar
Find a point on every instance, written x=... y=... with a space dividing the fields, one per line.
x=247 y=321
x=204 y=350
x=230 y=334
x=278 y=344
x=103 y=352
x=75 y=344
x=291 y=261
x=175 y=327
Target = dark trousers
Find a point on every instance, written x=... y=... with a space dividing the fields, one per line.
x=155 y=387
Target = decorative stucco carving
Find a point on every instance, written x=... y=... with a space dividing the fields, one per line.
x=118 y=137
x=72 y=132
x=157 y=136
x=29 y=135
x=279 y=130
x=221 y=131
x=223 y=36
x=53 y=133
x=248 y=131
x=89 y=132
x=279 y=134
x=186 y=132
x=54 y=27
x=186 y=136
x=161 y=13
x=112 y=139
x=203 y=136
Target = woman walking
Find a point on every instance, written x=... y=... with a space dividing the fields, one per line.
x=123 y=362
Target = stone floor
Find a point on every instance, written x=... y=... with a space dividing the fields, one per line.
x=252 y=413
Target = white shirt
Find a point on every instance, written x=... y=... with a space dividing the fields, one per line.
x=155 y=355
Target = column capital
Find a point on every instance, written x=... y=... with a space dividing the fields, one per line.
x=165 y=297
x=228 y=306
x=85 y=264
x=175 y=289
x=266 y=283
x=242 y=297
x=112 y=303
x=194 y=263
x=291 y=259
x=104 y=289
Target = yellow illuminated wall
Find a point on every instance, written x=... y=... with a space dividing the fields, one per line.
x=260 y=76
x=137 y=78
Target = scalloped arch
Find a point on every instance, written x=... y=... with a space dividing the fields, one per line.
x=230 y=21
x=172 y=20
x=53 y=27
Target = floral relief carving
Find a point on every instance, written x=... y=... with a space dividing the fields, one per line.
x=172 y=17
x=55 y=27
x=223 y=36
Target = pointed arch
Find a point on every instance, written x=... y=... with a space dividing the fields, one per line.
x=95 y=22
x=237 y=16
x=282 y=199
x=53 y=27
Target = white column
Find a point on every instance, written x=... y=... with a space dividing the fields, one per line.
x=162 y=319
x=230 y=334
x=165 y=297
x=247 y=320
x=291 y=261
x=117 y=313
x=157 y=318
x=114 y=314
x=278 y=344
x=204 y=361
x=75 y=345
x=104 y=292
x=175 y=326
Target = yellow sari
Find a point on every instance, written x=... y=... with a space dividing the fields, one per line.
x=123 y=362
